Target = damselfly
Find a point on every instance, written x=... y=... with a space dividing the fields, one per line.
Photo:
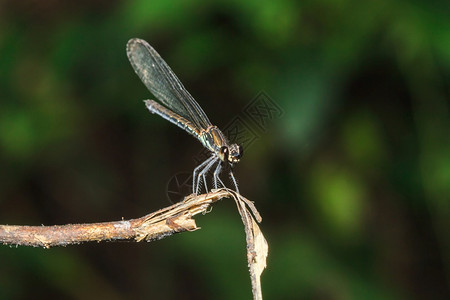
x=180 y=108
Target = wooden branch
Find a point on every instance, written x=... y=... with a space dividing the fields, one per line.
x=157 y=225
x=160 y=224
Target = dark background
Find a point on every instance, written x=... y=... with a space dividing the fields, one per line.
x=352 y=178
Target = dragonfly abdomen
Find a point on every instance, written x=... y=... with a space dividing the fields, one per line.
x=156 y=108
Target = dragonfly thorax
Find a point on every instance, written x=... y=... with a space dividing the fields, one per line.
x=213 y=139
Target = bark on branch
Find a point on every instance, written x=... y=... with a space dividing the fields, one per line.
x=160 y=224
x=157 y=225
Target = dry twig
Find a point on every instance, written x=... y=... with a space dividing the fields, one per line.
x=157 y=225
x=160 y=224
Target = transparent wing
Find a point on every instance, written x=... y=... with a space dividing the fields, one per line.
x=163 y=83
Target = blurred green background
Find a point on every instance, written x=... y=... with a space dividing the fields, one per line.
x=352 y=181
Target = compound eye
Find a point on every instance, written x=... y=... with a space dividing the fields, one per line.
x=241 y=151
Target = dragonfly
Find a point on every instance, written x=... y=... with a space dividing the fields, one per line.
x=177 y=106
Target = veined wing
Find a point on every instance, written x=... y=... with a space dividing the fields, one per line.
x=163 y=83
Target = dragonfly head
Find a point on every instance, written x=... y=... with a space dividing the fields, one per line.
x=231 y=154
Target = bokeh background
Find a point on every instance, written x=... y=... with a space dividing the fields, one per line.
x=352 y=180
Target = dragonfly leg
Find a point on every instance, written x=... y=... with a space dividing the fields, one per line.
x=234 y=181
x=195 y=184
x=202 y=174
x=216 y=175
